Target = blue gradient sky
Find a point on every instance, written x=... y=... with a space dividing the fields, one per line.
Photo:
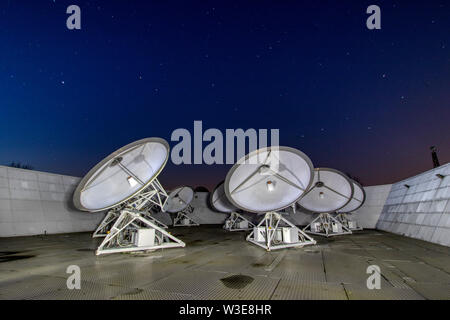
x=369 y=103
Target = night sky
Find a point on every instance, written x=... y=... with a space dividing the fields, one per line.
x=367 y=102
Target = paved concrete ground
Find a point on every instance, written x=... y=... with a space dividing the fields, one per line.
x=220 y=265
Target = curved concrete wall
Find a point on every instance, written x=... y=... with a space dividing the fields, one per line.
x=34 y=203
x=419 y=207
x=367 y=216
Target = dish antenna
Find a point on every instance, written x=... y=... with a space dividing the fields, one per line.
x=331 y=191
x=358 y=199
x=219 y=202
x=126 y=183
x=179 y=202
x=266 y=181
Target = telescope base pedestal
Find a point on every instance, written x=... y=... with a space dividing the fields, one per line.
x=346 y=221
x=327 y=226
x=270 y=234
x=237 y=222
x=132 y=231
x=183 y=220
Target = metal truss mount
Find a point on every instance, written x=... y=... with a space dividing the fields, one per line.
x=237 y=222
x=106 y=224
x=326 y=225
x=275 y=232
x=346 y=221
x=134 y=229
x=154 y=196
x=124 y=235
x=182 y=219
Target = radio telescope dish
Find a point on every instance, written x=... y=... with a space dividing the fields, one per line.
x=357 y=200
x=344 y=214
x=122 y=175
x=265 y=181
x=179 y=199
x=268 y=179
x=331 y=190
x=219 y=200
x=179 y=202
x=126 y=183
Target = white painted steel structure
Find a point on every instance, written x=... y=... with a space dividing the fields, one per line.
x=268 y=180
x=344 y=215
x=331 y=191
x=127 y=180
x=220 y=203
x=179 y=202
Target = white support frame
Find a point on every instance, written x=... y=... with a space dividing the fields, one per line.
x=182 y=215
x=126 y=222
x=326 y=220
x=235 y=218
x=271 y=222
x=133 y=215
x=104 y=226
x=153 y=195
x=344 y=218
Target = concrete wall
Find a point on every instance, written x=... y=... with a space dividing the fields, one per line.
x=419 y=207
x=367 y=216
x=33 y=203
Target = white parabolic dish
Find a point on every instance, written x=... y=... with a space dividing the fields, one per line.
x=331 y=190
x=358 y=199
x=179 y=199
x=268 y=179
x=219 y=200
x=121 y=175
